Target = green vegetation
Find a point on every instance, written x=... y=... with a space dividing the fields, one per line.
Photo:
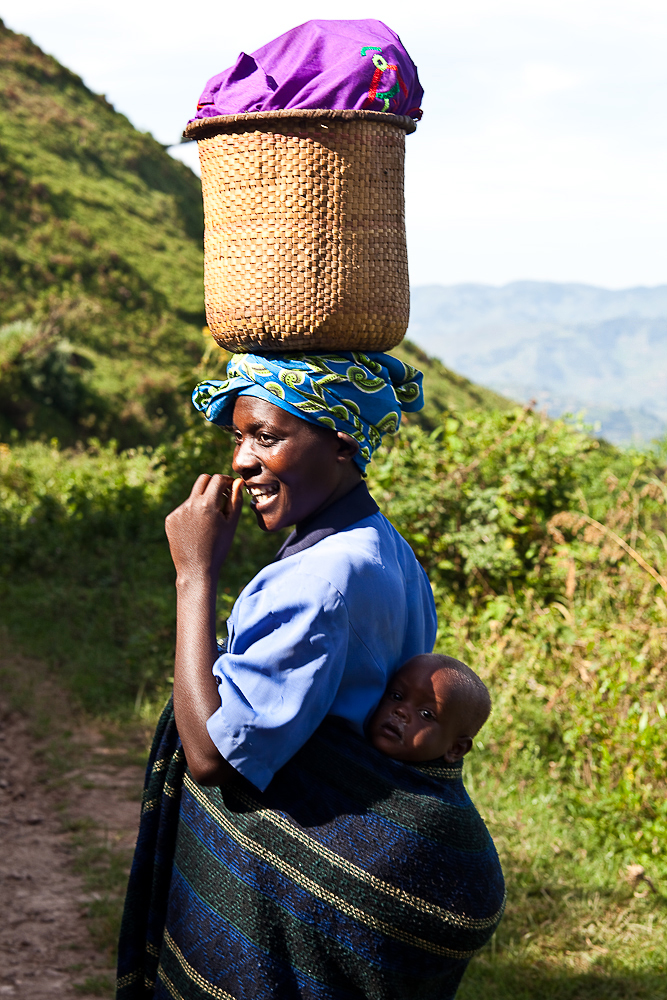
x=101 y=304
x=546 y=553
x=547 y=550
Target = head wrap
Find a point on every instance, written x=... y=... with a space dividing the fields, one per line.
x=360 y=394
x=352 y=65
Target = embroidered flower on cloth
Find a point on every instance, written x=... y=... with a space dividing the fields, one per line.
x=320 y=64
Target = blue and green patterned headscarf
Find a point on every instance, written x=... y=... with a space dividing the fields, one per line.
x=360 y=394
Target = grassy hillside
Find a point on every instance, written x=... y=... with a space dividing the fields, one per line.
x=101 y=304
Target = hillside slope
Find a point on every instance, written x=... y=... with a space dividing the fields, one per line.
x=444 y=389
x=101 y=302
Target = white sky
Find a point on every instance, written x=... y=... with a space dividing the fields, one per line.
x=543 y=149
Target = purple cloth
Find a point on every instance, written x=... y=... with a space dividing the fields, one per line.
x=320 y=64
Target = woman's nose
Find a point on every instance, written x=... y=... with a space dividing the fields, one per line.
x=245 y=460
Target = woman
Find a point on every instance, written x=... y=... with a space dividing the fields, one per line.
x=246 y=892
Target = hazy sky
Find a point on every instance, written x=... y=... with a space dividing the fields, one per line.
x=543 y=148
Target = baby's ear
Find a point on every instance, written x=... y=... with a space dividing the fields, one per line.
x=459 y=748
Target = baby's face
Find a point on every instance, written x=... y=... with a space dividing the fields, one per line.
x=418 y=717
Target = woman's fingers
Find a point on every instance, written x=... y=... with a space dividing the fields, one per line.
x=200 y=485
x=219 y=486
x=202 y=529
x=235 y=502
x=219 y=490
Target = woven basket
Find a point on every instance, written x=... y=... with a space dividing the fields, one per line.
x=304 y=245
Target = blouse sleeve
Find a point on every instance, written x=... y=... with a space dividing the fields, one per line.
x=286 y=657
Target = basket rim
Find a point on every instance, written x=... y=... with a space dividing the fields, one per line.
x=203 y=128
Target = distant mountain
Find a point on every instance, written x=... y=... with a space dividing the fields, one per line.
x=571 y=347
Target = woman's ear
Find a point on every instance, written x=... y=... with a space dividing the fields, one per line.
x=459 y=748
x=347 y=446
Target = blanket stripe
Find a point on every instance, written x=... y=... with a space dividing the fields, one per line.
x=310 y=843
x=352 y=876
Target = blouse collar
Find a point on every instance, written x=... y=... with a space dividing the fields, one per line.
x=353 y=507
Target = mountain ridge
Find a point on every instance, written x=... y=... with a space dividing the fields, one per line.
x=572 y=347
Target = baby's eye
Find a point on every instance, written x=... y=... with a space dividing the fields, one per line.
x=395 y=696
x=425 y=714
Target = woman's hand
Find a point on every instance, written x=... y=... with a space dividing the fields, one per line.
x=202 y=529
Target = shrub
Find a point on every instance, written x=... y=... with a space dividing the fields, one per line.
x=475 y=496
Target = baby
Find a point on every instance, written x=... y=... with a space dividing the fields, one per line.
x=432 y=708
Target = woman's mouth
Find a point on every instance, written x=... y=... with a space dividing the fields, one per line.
x=262 y=495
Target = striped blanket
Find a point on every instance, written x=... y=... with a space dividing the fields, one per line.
x=352 y=876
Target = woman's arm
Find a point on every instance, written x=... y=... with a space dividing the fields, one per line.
x=200 y=535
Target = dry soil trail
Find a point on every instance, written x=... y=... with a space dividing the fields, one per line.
x=46 y=948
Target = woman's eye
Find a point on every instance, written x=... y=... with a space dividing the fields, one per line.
x=266 y=439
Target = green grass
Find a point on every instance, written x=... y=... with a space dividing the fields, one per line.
x=101 y=303
x=574 y=926
x=104 y=868
x=86 y=580
x=100 y=986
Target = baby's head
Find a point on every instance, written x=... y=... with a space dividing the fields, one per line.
x=433 y=707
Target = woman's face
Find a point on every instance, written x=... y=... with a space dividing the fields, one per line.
x=291 y=469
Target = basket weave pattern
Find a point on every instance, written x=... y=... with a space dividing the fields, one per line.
x=304 y=244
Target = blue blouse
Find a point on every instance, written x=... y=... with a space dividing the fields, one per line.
x=319 y=632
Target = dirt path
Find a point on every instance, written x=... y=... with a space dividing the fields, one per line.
x=56 y=925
